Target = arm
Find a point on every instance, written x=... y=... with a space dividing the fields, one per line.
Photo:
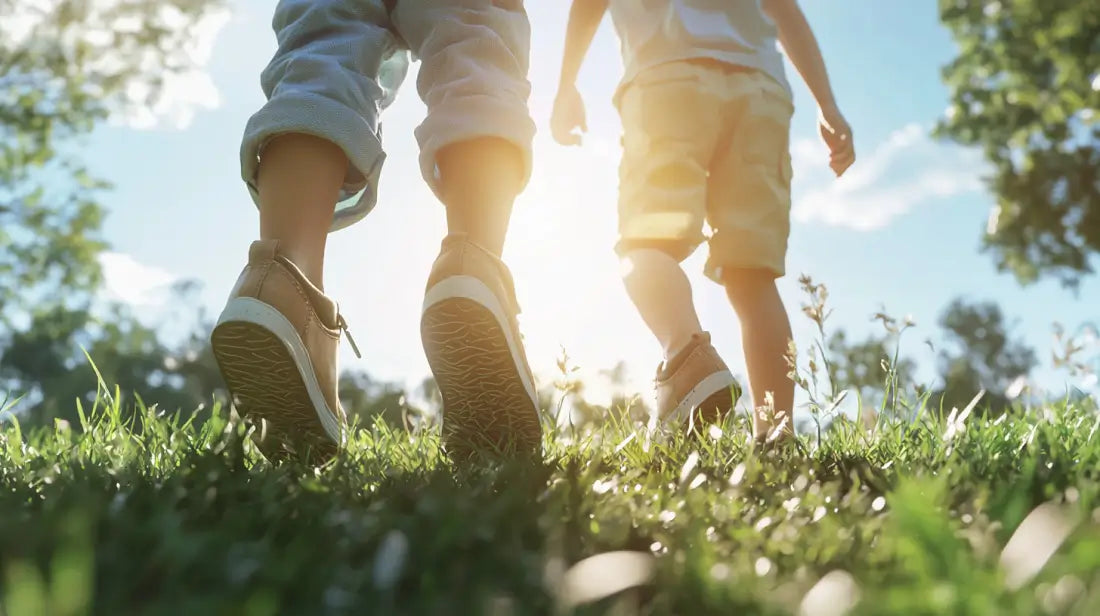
x=584 y=20
x=569 y=115
x=801 y=46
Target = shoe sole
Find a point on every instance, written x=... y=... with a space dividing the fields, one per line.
x=272 y=382
x=707 y=403
x=489 y=401
x=712 y=410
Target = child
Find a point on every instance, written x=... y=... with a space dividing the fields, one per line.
x=317 y=141
x=706 y=113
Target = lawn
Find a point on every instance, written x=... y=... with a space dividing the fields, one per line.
x=967 y=516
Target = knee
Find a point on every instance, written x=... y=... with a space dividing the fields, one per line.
x=484 y=151
x=637 y=252
x=746 y=287
x=482 y=165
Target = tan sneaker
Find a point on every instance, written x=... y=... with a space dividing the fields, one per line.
x=695 y=388
x=472 y=341
x=276 y=344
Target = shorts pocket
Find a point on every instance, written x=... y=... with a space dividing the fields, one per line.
x=764 y=136
x=508 y=5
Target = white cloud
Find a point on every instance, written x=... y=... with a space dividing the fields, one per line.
x=129 y=281
x=907 y=170
x=150 y=294
x=183 y=93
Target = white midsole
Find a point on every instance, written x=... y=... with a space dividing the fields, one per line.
x=250 y=310
x=471 y=288
x=706 y=388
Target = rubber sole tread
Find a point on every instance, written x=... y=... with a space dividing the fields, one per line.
x=486 y=408
x=267 y=388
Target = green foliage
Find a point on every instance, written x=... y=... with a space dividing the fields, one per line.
x=175 y=517
x=874 y=369
x=49 y=361
x=1025 y=88
x=864 y=366
x=980 y=354
x=367 y=400
x=65 y=66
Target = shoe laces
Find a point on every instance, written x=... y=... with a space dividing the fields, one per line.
x=343 y=325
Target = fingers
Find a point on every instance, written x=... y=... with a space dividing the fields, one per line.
x=837 y=135
x=563 y=132
x=566 y=128
x=834 y=135
x=567 y=139
x=842 y=155
x=839 y=166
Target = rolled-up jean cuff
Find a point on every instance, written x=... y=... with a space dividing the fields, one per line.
x=475 y=117
x=320 y=116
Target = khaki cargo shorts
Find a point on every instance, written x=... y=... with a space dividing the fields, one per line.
x=707 y=143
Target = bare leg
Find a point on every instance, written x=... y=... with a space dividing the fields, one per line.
x=662 y=293
x=765 y=334
x=479 y=182
x=299 y=183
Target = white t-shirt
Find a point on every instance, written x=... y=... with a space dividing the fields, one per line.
x=736 y=32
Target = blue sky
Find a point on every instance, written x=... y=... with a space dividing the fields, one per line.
x=902 y=231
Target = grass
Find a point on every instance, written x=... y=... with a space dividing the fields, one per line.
x=181 y=518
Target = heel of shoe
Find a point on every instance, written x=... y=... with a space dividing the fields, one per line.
x=270 y=375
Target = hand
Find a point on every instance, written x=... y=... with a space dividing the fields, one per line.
x=838 y=137
x=568 y=119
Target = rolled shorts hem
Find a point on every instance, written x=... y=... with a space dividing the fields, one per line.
x=322 y=117
x=470 y=118
x=678 y=248
x=743 y=253
x=719 y=260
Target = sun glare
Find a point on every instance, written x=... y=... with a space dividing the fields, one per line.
x=561 y=250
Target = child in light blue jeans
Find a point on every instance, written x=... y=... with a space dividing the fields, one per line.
x=316 y=144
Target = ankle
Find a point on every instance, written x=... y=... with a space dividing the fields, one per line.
x=490 y=242
x=310 y=264
x=479 y=183
x=673 y=346
x=314 y=273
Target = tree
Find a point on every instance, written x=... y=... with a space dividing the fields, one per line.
x=865 y=367
x=1025 y=89
x=980 y=354
x=66 y=65
x=47 y=359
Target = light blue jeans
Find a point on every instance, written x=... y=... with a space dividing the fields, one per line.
x=340 y=63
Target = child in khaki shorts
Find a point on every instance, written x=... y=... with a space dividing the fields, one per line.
x=706 y=112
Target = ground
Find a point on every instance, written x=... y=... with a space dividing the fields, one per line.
x=174 y=515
